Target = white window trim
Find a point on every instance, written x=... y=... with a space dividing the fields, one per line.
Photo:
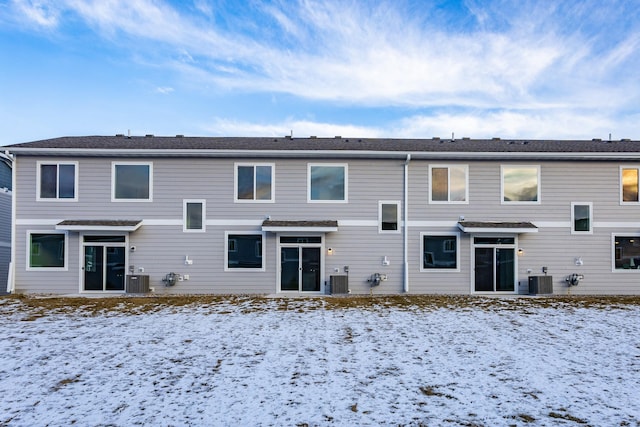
x=539 y=195
x=203 y=202
x=613 y=254
x=346 y=182
x=57 y=198
x=66 y=251
x=449 y=201
x=440 y=234
x=573 y=222
x=398 y=216
x=622 y=202
x=226 y=251
x=254 y=200
x=113 y=182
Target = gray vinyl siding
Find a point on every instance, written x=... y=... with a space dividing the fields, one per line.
x=161 y=249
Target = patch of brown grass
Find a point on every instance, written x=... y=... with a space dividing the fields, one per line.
x=37 y=306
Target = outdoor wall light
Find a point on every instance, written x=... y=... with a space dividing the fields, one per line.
x=520 y=252
x=330 y=251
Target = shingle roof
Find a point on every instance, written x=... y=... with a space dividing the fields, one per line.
x=178 y=145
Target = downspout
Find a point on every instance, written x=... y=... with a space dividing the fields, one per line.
x=405 y=210
x=11 y=276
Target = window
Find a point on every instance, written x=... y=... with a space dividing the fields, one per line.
x=244 y=252
x=46 y=250
x=254 y=183
x=389 y=217
x=521 y=184
x=327 y=183
x=439 y=252
x=629 y=185
x=626 y=252
x=57 y=181
x=132 y=181
x=194 y=215
x=581 y=214
x=448 y=184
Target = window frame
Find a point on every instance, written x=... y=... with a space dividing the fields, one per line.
x=448 y=166
x=621 y=182
x=518 y=202
x=227 y=234
x=614 y=237
x=41 y=163
x=573 y=218
x=65 y=266
x=345 y=167
x=203 y=204
x=113 y=181
x=424 y=234
x=271 y=198
x=398 y=204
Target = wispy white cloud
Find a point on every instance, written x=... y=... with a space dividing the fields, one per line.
x=363 y=53
x=476 y=124
x=540 y=64
x=299 y=128
x=43 y=14
x=165 y=90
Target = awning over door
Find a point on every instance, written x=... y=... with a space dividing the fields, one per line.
x=513 y=227
x=99 y=225
x=324 y=226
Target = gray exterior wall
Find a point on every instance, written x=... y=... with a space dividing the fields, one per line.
x=161 y=245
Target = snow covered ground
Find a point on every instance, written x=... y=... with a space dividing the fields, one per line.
x=254 y=361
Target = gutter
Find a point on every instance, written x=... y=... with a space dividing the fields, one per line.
x=405 y=237
x=353 y=154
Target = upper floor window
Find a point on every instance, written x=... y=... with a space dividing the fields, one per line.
x=581 y=214
x=521 y=184
x=57 y=181
x=47 y=250
x=132 y=181
x=448 y=184
x=629 y=185
x=389 y=217
x=327 y=183
x=194 y=215
x=254 y=182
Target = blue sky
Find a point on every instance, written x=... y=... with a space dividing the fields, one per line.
x=355 y=68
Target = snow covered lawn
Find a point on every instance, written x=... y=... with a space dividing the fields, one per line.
x=236 y=361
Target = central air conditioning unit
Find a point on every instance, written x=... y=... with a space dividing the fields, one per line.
x=339 y=284
x=540 y=285
x=137 y=284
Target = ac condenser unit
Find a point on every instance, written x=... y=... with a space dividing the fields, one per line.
x=339 y=284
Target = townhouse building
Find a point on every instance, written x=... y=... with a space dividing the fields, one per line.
x=184 y=215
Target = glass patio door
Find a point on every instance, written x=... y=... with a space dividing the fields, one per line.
x=494 y=266
x=300 y=269
x=104 y=264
